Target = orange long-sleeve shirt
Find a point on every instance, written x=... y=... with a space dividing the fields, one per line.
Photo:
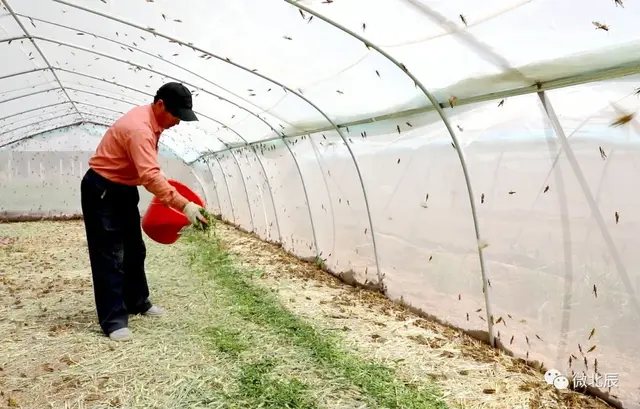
x=128 y=154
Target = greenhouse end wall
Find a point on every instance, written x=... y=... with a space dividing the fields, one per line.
x=41 y=177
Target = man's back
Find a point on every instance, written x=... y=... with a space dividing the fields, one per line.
x=112 y=158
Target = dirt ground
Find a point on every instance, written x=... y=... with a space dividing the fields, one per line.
x=54 y=356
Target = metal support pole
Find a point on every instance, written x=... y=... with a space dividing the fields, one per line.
x=215 y=184
x=273 y=202
x=37 y=47
x=275 y=211
x=326 y=184
x=463 y=162
x=246 y=192
x=595 y=211
x=565 y=324
x=306 y=195
x=195 y=175
x=224 y=177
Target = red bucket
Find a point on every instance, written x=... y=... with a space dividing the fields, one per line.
x=163 y=223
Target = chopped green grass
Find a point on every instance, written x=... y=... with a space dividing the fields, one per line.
x=264 y=391
x=226 y=340
x=210 y=221
x=379 y=385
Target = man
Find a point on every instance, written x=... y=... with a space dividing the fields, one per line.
x=126 y=158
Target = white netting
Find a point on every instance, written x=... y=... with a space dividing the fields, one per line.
x=554 y=227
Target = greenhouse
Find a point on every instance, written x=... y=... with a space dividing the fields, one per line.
x=406 y=193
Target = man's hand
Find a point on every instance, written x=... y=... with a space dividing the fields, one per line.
x=163 y=175
x=192 y=211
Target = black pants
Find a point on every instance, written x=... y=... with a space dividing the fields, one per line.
x=116 y=250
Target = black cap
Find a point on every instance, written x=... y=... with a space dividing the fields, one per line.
x=177 y=100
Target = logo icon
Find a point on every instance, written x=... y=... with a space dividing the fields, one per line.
x=561 y=382
x=555 y=378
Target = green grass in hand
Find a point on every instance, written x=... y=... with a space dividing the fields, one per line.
x=210 y=220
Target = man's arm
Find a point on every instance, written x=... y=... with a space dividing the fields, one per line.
x=141 y=147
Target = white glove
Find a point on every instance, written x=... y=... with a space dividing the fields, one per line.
x=192 y=211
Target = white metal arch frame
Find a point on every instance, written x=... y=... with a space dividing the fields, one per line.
x=71 y=89
x=4 y=101
x=144 y=92
x=34 y=109
x=320 y=111
x=15 y=74
x=275 y=211
x=33 y=135
x=154 y=56
x=306 y=195
x=224 y=178
x=41 y=132
x=199 y=181
x=40 y=122
x=81 y=103
x=244 y=185
x=90 y=51
x=24 y=29
x=317 y=155
x=39 y=115
x=51 y=68
x=266 y=178
x=582 y=78
x=173 y=64
x=223 y=142
x=222 y=124
x=215 y=185
x=75 y=123
x=205 y=116
x=177 y=79
x=304 y=186
x=445 y=120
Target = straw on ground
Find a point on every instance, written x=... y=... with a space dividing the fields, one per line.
x=235 y=336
